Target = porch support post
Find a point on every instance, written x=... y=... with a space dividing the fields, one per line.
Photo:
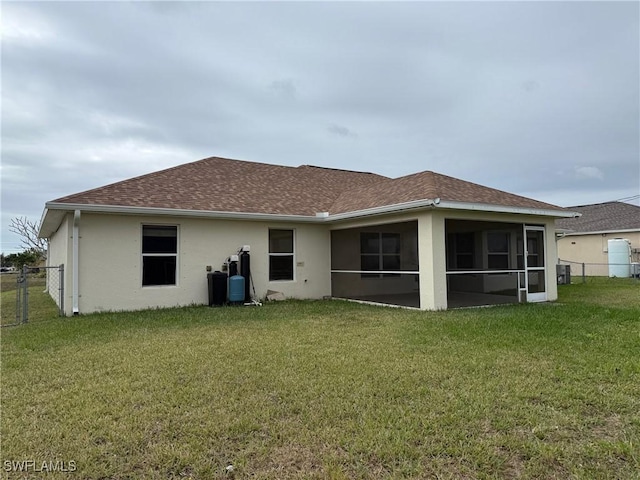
x=432 y=255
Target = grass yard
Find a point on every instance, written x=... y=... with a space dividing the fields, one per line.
x=331 y=390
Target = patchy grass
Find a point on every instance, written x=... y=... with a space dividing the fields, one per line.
x=331 y=390
x=41 y=305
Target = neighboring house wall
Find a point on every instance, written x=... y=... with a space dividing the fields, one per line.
x=110 y=265
x=592 y=250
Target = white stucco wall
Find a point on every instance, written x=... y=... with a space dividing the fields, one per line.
x=432 y=248
x=110 y=258
x=110 y=265
x=59 y=253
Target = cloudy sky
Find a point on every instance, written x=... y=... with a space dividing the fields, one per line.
x=539 y=98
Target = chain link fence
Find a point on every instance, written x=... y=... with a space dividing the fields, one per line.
x=51 y=278
x=581 y=271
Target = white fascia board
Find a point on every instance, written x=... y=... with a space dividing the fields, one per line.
x=398 y=207
x=484 y=207
x=321 y=217
x=600 y=232
x=117 y=209
x=41 y=233
x=318 y=218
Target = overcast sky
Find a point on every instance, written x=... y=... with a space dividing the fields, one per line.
x=539 y=98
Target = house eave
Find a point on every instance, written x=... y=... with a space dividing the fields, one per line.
x=54 y=212
x=485 y=207
x=387 y=209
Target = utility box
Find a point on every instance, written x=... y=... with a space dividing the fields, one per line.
x=563 y=272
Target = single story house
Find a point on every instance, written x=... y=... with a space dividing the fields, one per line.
x=585 y=239
x=424 y=240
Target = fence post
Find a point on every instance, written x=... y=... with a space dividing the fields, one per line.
x=25 y=294
x=19 y=298
x=61 y=289
x=584 y=276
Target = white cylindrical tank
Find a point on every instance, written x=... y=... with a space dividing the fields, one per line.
x=619 y=257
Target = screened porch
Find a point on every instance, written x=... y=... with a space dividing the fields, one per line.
x=377 y=264
x=488 y=263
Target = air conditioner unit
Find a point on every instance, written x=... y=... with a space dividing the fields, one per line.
x=563 y=273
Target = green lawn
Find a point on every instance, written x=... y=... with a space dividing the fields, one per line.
x=331 y=389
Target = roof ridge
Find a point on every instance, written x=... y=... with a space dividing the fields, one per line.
x=611 y=202
x=164 y=171
x=341 y=170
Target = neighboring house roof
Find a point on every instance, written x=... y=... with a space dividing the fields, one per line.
x=239 y=187
x=602 y=217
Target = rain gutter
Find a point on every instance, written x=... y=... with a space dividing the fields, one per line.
x=75 y=253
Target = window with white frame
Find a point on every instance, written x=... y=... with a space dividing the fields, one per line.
x=159 y=255
x=379 y=252
x=281 y=255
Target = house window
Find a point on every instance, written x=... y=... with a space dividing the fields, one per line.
x=462 y=251
x=379 y=251
x=159 y=254
x=498 y=250
x=281 y=255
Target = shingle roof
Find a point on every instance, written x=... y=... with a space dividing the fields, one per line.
x=220 y=184
x=602 y=217
x=429 y=185
x=224 y=185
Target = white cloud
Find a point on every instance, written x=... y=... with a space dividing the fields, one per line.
x=589 y=172
x=24 y=26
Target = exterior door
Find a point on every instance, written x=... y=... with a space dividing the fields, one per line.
x=535 y=264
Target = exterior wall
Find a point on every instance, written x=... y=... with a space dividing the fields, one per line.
x=432 y=252
x=551 y=259
x=593 y=249
x=110 y=257
x=59 y=253
x=110 y=260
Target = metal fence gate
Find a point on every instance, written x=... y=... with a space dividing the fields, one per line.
x=54 y=286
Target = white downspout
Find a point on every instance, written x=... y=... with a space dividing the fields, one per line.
x=76 y=242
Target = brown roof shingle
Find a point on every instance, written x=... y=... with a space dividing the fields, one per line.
x=430 y=185
x=224 y=185
x=220 y=184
